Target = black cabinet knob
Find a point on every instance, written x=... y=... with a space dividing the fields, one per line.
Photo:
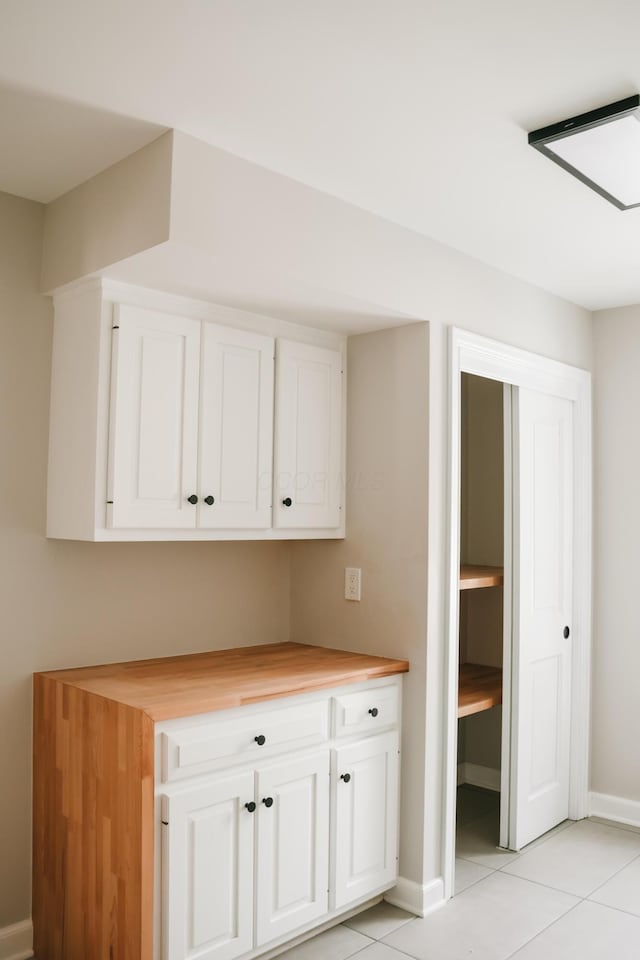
x=192 y=499
x=374 y=711
x=287 y=502
x=346 y=777
x=209 y=501
x=260 y=740
x=566 y=632
x=268 y=801
x=250 y=806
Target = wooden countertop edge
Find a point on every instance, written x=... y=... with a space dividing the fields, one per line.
x=158 y=715
x=215 y=702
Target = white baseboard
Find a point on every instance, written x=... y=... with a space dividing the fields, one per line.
x=618 y=809
x=16 y=941
x=478 y=776
x=418 y=898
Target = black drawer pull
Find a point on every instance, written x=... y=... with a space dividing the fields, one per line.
x=268 y=801
x=287 y=502
x=374 y=711
x=250 y=806
x=346 y=777
x=260 y=740
x=209 y=501
x=192 y=499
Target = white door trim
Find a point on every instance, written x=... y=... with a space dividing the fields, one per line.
x=470 y=353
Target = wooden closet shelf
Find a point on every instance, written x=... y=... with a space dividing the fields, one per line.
x=479 y=688
x=472 y=576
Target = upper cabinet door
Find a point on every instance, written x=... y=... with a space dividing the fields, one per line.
x=308 y=460
x=236 y=429
x=154 y=420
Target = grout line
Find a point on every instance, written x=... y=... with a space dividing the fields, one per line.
x=616 y=824
x=545 y=886
x=608 y=906
x=604 y=882
x=387 y=945
x=544 y=930
x=474 y=882
x=401 y=923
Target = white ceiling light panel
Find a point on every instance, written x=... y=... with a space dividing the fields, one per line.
x=601 y=148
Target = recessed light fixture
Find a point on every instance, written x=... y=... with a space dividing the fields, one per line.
x=601 y=148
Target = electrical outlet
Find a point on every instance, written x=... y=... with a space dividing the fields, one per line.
x=352 y=583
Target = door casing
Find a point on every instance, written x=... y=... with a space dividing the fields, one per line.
x=471 y=353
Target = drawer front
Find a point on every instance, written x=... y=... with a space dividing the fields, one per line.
x=366 y=711
x=211 y=746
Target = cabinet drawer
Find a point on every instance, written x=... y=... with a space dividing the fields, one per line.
x=369 y=710
x=222 y=743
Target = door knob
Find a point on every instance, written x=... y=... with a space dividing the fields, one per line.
x=192 y=499
x=566 y=633
x=346 y=777
x=287 y=502
x=250 y=806
x=260 y=740
x=268 y=801
x=209 y=501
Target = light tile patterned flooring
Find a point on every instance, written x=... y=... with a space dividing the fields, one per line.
x=572 y=895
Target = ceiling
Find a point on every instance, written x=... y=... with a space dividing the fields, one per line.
x=416 y=110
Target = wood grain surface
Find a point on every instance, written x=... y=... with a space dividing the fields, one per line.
x=198 y=683
x=479 y=688
x=92 y=828
x=473 y=576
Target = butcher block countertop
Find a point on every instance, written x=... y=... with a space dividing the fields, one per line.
x=171 y=687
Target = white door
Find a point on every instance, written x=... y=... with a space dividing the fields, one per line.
x=236 y=429
x=542 y=580
x=208 y=871
x=308 y=485
x=293 y=845
x=365 y=795
x=153 y=420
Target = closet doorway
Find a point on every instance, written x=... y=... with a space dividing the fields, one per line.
x=519 y=572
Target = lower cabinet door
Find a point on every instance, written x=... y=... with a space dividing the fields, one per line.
x=208 y=871
x=293 y=845
x=365 y=798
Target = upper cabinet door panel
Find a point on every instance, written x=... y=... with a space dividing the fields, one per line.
x=236 y=429
x=308 y=462
x=154 y=420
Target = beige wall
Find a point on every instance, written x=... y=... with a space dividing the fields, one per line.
x=119 y=212
x=616 y=653
x=387 y=432
x=65 y=603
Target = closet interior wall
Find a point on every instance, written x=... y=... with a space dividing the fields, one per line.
x=482 y=542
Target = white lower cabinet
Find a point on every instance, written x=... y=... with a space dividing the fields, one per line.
x=266 y=849
x=292 y=869
x=208 y=875
x=365 y=816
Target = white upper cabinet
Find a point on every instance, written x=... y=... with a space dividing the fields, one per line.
x=308 y=463
x=236 y=429
x=154 y=420
x=164 y=425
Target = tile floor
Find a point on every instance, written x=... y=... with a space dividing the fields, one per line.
x=574 y=894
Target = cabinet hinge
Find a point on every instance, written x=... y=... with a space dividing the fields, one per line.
x=109 y=501
x=116 y=327
x=165 y=823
